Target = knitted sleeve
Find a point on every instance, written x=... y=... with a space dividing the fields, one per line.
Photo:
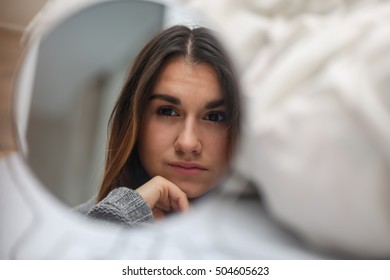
x=122 y=205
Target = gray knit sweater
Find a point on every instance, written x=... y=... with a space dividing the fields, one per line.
x=122 y=205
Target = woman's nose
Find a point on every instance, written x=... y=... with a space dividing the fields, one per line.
x=188 y=140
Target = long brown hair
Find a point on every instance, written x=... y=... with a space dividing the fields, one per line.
x=197 y=45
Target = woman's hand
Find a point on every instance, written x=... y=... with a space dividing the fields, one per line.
x=163 y=196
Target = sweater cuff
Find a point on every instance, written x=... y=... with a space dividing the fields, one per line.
x=122 y=205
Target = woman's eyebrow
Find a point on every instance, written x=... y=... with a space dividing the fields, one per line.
x=215 y=104
x=176 y=101
x=167 y=98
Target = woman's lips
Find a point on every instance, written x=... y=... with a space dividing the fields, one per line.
x=188 y=168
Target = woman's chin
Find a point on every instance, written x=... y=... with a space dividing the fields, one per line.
x=194 y=192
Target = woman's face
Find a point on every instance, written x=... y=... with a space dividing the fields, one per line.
x=183 y=135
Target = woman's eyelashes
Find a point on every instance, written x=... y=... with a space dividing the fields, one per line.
x=166 y=111
x=214 y=116
x=217 y=116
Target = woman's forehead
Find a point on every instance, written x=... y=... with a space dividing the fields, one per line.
x=182 y=78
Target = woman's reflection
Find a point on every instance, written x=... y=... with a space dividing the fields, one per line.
x=172 y=131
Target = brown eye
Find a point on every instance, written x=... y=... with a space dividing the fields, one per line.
x=166 y=111
x=216 y=117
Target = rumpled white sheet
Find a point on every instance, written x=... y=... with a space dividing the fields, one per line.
x=316 y=79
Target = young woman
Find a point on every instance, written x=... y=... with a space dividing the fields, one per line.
x=172 y=130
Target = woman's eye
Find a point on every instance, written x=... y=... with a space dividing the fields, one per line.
x=216 y=117
x=166 y=111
